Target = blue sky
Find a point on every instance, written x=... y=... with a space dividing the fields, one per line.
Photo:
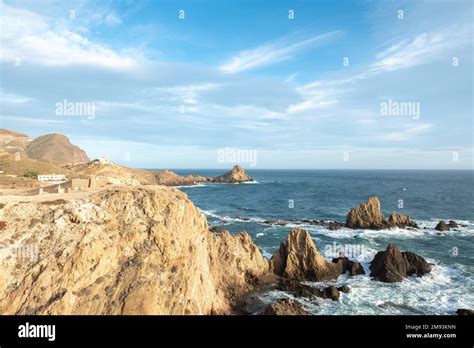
x=171 y=92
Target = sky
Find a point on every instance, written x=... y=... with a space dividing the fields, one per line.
x=298 y=84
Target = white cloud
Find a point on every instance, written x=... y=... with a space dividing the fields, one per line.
x=187 y=94
x=31 y=38
x=408 y=132
x=421 y=49
x=112 y=19
x=13 y=98
x=273 y=51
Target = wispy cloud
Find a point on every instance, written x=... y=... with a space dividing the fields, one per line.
x=407 y=132
x=421 y=49
x=32 y=38
x=273 y=51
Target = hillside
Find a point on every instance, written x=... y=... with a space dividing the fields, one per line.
x=55 y=148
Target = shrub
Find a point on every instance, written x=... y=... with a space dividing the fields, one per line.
x=30 y=174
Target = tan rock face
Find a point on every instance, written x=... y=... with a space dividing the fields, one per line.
x=366 y=215
x=298 y=259
x=121 y=251
x=401 y=220
x=169 y=178
x=56 y=148
x=236 y=175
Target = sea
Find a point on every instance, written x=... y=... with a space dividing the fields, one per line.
x=427 y=196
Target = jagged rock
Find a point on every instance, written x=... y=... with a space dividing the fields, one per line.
x=464 y=311
x=236 y=175
x=392 y=265
x=285 y=306
x=332 y=293
x=354 y=268
x=401 y=221
x=366 y=215
x=297 y=258
x=123 y=251
x=217 y=229
x=345 y=289
x=416 y=264
x=453 y=224
x=442 y=226
x=369 y=216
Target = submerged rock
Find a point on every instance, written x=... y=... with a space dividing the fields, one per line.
x=297 y=258
x=236 y=175
x=392 y=265
x=285 y=306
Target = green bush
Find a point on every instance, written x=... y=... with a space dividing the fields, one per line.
x=30 y=174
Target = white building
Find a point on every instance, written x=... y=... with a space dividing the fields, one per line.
x=52 y=178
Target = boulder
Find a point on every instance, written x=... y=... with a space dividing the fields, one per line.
x=366 y=215
x=285 y=306
x=332 y=293
x=354 y=268
x=297 y=258
x=392 y=265
x=442 y=226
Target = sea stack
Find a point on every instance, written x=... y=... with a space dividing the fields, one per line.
x=236 y=175
x=369 y=216
x=298 y=259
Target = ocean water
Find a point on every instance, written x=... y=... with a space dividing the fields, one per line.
x=427 y=196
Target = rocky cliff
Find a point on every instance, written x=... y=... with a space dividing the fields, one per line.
x=121 y=251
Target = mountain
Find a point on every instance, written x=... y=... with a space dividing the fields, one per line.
x=55 y=148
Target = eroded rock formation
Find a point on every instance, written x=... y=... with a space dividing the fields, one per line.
x=297 y=258
x=236 y=175
x=122 y=251
x=369 y=216
x=392 y=265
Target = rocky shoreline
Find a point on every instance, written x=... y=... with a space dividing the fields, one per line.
x=148 y=250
